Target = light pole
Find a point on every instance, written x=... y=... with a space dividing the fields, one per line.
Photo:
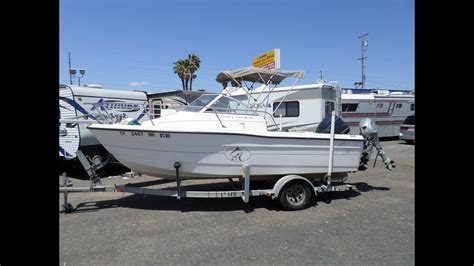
x=73 y=73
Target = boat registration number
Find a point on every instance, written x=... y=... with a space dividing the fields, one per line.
x=149 y=134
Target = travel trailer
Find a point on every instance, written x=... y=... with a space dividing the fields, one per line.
x=81 y=106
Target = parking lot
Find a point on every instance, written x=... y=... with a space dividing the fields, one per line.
x=372 y=225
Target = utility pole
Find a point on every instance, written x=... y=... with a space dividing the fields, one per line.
x=364 y=45
x=70 y=75
x=73 y=72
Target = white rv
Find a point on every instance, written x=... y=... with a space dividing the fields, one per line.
x=299 y=108
x=388 y=110
x=303 y=107
x=81 y=106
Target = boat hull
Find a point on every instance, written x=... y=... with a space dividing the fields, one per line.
x=222 y=154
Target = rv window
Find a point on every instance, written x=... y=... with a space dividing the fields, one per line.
x=399 y=105
x=412 y=107
x=349 y=107
x=286 y=109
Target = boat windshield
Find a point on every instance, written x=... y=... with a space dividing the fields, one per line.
x=220 y=103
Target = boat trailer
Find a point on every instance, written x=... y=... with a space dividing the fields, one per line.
x=295 y=192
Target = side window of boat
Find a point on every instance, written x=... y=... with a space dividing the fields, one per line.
x=412 y=107
x=349 y=107
x=286 y=109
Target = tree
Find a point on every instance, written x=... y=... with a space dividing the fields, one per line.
x=194 y=64
x=180 y=69
x=186 y=65
x=185 y=68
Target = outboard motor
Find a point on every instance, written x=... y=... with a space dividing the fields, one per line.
x=368 y=130
x=340 y=127
x=367 y=127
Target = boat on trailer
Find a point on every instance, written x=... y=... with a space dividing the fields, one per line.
x=216 y=134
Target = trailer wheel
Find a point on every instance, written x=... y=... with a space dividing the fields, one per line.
x=295 y=195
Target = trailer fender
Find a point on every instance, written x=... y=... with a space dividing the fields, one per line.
x=284 y=180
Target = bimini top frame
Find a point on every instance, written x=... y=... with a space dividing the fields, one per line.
x=259 y=75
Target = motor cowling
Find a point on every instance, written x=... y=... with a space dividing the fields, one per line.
x=367 y=127
x=368 y=130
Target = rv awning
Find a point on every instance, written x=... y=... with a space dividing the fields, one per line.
x=255 y=74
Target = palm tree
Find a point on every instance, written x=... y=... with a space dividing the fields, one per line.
x=180 y=69
x=194 y=63
x=186 y=66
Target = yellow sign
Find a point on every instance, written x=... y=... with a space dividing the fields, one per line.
x=268 y=60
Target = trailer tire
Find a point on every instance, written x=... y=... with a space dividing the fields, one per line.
x=295 y=195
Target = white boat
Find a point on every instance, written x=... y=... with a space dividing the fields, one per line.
x=217 y=134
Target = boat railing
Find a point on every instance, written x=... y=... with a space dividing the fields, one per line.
x=235 y=111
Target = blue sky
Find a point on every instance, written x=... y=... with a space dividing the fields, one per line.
x=121 y=42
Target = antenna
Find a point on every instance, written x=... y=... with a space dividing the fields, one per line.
x=320 y=74
x=364 y=44
x=70 y=74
